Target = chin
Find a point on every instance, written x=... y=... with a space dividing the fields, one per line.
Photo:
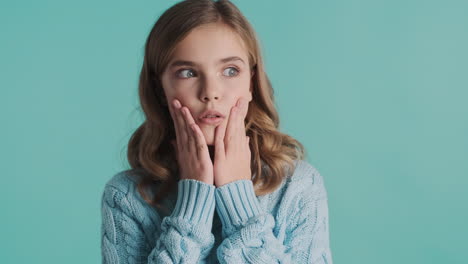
x=209 y=135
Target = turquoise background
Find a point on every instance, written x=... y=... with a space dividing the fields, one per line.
x=376 y=91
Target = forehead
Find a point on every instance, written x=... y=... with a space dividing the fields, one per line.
x=208 y=43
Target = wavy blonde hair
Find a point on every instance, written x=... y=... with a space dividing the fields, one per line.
x=149 y=149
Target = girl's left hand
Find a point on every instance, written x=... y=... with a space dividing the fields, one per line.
x=232 y=151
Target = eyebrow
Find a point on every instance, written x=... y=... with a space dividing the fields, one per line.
x=191 y=63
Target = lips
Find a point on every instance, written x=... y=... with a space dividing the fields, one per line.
x=211 y=117
x=210 y=113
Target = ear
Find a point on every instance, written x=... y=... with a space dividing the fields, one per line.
x=250 y=91
x=252 y=73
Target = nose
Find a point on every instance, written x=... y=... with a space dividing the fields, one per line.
x=210 y=90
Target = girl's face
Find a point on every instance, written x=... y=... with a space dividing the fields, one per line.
x=209 y=70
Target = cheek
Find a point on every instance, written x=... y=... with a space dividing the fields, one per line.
x=178 y=92
x=238 y=89
x=173 y=87
x=239 y=86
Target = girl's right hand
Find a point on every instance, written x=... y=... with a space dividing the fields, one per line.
x=191 y=148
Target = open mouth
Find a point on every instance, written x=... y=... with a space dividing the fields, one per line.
x=211 y=120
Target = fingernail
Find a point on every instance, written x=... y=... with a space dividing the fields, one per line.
x=176 y=103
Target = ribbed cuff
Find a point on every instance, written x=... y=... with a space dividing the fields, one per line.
x=236 y=203
x=195 y=201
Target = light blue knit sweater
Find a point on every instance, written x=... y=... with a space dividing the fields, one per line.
x=229 y=224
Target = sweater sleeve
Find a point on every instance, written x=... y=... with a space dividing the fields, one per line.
x=183 y=237
x=248 y=230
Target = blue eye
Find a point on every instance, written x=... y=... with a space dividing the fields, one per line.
x=229 y=72
x=189 y=70
x=236 y=71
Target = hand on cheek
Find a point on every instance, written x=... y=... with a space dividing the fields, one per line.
x=232 y=151
x=190 y=146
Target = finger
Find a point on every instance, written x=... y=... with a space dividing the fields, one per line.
x=231 y=129
x=232 y=122
x=190 y=134
x=239 y=130
x=193 y=136
x=176 y=119
x=189 y=117
x=244 y=108
x=219 y=142
x=241 y=116
x=202 y=147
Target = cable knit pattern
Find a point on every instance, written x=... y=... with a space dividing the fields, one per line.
x=228 y=224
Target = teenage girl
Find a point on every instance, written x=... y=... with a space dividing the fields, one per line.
x=212 y=180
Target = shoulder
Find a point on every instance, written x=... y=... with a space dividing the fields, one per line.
x=124 y=212
x=121 y=189
x=305 y=172
x=123 y=181
x=307 y=180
